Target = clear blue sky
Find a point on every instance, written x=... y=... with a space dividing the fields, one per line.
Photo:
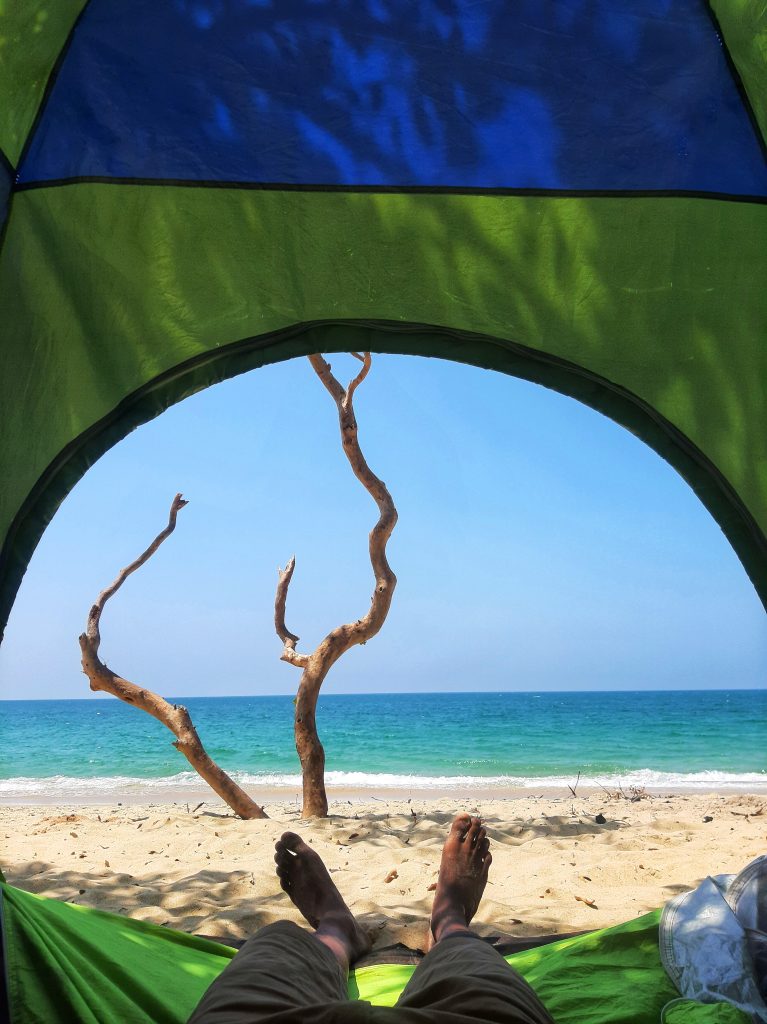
x=539 y=547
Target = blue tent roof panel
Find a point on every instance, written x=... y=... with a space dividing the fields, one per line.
x=573 y=95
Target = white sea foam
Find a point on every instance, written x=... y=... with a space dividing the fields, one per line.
x=62 y=787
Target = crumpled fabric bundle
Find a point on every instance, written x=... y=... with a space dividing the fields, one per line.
x=713 y=940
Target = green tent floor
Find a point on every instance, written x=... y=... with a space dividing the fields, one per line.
x=69 y=963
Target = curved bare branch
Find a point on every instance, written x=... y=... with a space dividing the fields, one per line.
x=289 y=640
x=173 y=716
x=285 y=575
x=323 y=371
x=366 y=361
x=363 y=629
x=94 y=616
x=317 y=665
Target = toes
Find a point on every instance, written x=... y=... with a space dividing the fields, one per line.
x=290 y=841
x=282 y=855
x=460 y=826
x=284 y=867
x=474 y=829
x=286 y=848
x=478 y=835
x=486 y=865
x=285 y=856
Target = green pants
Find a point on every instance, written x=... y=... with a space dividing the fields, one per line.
x=284 y=975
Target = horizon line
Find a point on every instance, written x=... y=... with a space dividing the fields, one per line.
x=397 y=693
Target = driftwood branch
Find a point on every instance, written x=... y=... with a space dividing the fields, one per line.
x=317 y=664
x=289 y=639
x=385 y=580
x=173 y=716
x=94 y=616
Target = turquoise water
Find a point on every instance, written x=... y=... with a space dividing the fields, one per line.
x=678 y=738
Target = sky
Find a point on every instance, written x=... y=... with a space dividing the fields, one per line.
x=539 y=547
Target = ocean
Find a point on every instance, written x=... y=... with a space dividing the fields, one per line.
x=61 y=750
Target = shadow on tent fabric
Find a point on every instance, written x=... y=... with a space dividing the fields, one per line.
x=68 y=963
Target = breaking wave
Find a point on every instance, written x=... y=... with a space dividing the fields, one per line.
x=58 y=787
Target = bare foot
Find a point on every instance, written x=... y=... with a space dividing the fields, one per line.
x=462 y=878
x=305 y=879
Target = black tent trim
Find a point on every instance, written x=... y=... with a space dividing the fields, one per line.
x=219 y=364
x=52 y=76
x=6 y=163
x=455 y=190
x=739 y=85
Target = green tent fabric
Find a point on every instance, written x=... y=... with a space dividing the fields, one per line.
x=70 y=964
x=572 y=193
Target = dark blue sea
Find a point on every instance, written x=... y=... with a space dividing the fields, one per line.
x=675 y=740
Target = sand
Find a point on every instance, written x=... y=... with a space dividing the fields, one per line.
x=554 y=867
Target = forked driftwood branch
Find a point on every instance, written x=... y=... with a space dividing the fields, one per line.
x=173 y=716
x=317 y=664
x=575 y=786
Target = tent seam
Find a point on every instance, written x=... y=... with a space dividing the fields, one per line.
x=5 y=977
x=50 y=83
x=740 y=85
x=52 y=76
x=281 y=186
x=11 y=170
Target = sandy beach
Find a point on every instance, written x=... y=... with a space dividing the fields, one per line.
x=555 y=866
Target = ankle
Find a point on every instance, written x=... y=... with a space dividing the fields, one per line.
x=449 y=924
x=337 y=946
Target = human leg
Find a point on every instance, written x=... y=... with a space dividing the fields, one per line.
x=281 y=974
x=461 y=978
x=285 y=973
x=307 y=882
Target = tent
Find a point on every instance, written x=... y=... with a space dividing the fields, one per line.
x=71 y=963
x=573 y=192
